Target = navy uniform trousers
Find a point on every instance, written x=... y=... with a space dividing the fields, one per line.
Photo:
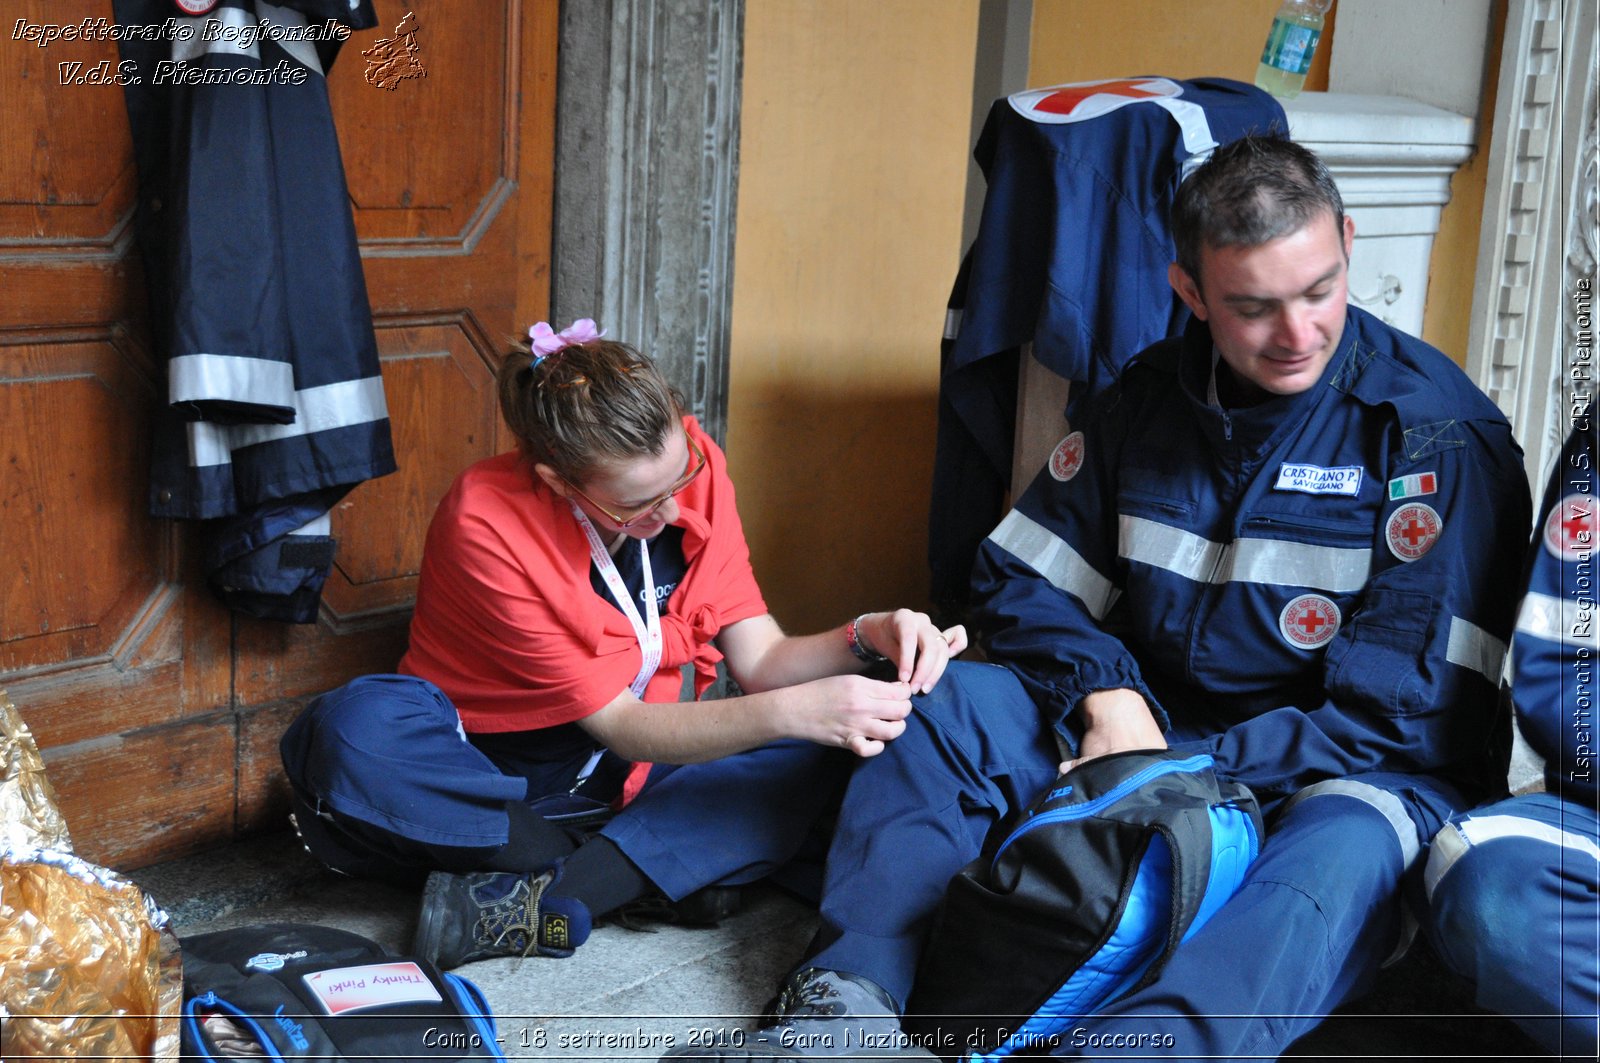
x=1514 y=891
x=1318 y=914
x=1316 y=917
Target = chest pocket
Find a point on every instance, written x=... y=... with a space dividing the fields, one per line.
x=1327 y=554
x=1150 y=494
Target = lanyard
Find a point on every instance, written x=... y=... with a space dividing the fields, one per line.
x=646 y=629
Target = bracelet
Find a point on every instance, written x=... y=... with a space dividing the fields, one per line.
x=858 y=646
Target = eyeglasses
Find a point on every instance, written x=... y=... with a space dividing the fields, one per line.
x=650 y=508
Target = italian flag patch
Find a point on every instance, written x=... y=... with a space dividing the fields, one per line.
x=1422 y=483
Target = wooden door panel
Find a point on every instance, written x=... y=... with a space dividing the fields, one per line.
x=158 y=712
x=136 y=798
x=81 y=575
x=439 y=380
x=67 y=181
x=431 y=162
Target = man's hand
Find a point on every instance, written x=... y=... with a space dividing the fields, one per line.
x=1115 y=721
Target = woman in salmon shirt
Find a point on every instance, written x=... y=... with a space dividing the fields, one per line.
x=566 y=590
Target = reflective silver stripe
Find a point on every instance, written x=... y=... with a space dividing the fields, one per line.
x=217 y=33
x=209 y=377
x=1339 y=570
x=1050 y=556
x=1280 y=562
x=1405 y=831
x=1472 y=647
x=302 y=51
x=338 y=405
x=1562 y=620
x=952 y=323
x=1192 y=121
x=1452 y=843
x=1163 y=546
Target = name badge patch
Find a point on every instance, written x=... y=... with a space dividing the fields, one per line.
x=1315 y=480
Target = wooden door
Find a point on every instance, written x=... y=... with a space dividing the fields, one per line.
x=158 y=711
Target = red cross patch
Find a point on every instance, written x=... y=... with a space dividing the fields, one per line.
x=1067 y=458
x=1570 y=531
x=1084 y=100
x=1309 y=621
x=194 y=8
x=1412 y=530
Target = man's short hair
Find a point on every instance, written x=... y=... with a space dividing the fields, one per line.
x=1250 y=191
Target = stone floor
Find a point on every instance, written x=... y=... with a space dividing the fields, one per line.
x=629 y=994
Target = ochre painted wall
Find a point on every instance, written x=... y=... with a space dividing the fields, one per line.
x=1080 y=40
x=852 y=171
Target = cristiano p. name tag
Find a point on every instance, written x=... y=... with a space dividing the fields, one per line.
x=1315 y=480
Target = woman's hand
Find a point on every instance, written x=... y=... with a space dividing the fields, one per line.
x=918 y=649
x=851 y=712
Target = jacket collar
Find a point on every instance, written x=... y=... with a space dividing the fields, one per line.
x=1262 y=425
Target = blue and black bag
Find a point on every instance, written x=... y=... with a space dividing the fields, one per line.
x=1084 y=899
x=291 y=991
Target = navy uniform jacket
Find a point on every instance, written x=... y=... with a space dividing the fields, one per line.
x=275 y=405
x=1071 y=255
x=1316 y=585
x=1554 y=654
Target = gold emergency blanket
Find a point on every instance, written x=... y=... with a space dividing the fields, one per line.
x=88 y=968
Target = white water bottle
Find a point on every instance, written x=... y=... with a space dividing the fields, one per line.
x=1292 y=41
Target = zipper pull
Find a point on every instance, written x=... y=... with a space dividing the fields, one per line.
x=1227 y=426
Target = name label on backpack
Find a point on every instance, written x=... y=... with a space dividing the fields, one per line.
x=375 y=985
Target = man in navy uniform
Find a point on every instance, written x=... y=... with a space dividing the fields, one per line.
x=1514 y=888
x=1278 y=539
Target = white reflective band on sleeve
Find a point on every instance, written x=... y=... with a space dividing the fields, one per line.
x=1050 y=556
x=952 y=323
x=1472 y=647
x=1280 y=562
x=322 y=525
x=209 y=377
x=340 y=405
x=1452 y=843
x=1544 y=616
x=1405 y=831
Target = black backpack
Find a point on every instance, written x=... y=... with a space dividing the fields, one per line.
x=1085 y=898
x=314 y=992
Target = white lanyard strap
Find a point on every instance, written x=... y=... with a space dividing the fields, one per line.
x=646 y=629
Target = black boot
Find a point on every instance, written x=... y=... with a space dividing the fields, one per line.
x=823 y=1014
x=486 y=914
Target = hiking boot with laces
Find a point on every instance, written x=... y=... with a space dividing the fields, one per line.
x=822 y=1014
x=486 y=914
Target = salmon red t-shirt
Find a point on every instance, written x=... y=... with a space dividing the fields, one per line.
x=509 y=626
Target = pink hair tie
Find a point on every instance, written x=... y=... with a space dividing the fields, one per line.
x=546 y=341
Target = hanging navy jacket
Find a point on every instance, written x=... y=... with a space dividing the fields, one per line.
x=275 y=405
x=1556 y=647
x=1071 y=255
x=1318 y=582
